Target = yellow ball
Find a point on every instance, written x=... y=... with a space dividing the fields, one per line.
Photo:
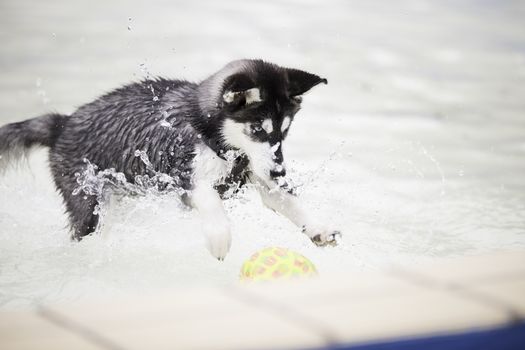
x=276 y=264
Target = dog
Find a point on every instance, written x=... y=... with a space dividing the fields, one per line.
x=204 y=140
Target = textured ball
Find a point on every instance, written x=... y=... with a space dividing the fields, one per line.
x=276 y=264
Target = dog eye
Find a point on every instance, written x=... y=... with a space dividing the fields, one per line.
x=256 y=128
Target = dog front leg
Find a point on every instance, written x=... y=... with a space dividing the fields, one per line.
x=213 y=217
x=288 y=205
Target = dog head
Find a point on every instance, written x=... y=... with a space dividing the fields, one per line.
x=255 y=103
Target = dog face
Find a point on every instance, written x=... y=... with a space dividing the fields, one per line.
x=258 y=103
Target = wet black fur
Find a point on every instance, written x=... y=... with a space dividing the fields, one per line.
x=108 y=131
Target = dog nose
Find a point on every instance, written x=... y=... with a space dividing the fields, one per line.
x=278 y=172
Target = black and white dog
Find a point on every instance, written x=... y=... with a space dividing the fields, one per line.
x=205 y=139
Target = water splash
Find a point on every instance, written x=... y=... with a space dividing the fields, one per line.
x=437 y=165
x=103 y=183
x=315 y=175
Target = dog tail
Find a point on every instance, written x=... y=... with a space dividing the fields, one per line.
x=16 y=139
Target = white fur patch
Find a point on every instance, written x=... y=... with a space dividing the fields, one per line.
x=251 y=95
x=261 y=154
x=286 y=124
x=267 y=125
x=275 y=148
x=228 y=96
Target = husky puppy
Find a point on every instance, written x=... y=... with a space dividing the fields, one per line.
x=204 y=139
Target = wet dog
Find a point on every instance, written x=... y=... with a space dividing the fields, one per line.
x=204 y=140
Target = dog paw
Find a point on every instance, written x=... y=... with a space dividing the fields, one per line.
x=218 y=241
x=323 y=237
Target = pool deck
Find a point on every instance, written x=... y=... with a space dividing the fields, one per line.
x=453 y=296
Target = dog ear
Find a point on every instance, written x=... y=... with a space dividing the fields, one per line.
x=239 y=90
x=301 y=81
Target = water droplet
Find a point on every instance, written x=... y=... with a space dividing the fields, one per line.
x=165 y=124
x=155 y=98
